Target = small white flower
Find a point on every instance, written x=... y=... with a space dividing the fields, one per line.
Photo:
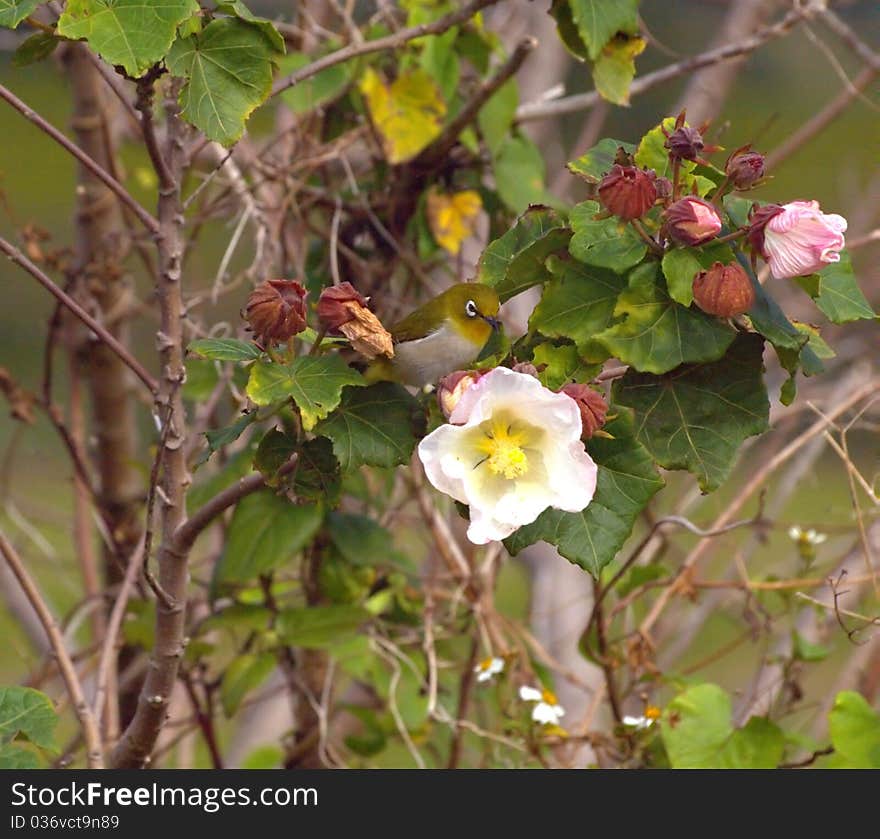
x=651 y=715
x=512 y=449
x=488 y=668
x=806 y=537
x=547 y=710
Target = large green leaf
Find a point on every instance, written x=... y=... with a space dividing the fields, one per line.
x=515 y=262
x=27 y=712
x=266 y=531
x=840 y=298
x=13 y=12
x=314 y=382
x=855 y=732
x=627 y=480
x=697 y=416
x=606 y=243
x=615 y=68
x=698 y=733
x=519 y=171
x=375 y=426
x=225 y=349
x=240 y=10
x=318 y=476
x=319 y=627
x=228 y=70
x=362 y=541
x=496 y=116
x=598 y=21
x=655 y=334
x=135 y=34
x=578 y=303
x=598 y=160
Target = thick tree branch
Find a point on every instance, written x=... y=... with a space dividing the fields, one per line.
x=90 y=731
x=66 y=300
x=92 y=165
x=583 y=101
x=389 y=42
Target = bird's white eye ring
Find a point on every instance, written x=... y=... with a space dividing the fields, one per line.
x=471 y=309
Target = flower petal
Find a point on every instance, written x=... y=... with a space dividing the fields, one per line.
x=530 y=694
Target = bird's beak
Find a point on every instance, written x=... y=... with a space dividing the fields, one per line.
x=493 y=322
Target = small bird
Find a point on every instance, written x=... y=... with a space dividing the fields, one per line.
x=445 y=334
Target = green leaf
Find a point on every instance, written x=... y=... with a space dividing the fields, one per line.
x=627 y=481
x=805 y=650
x=681 y=265
x=132 y=33
x=578 y=303
x=375 y=426
x=840 y=299
x=562 y=364
x=266 y=531
x=314 y=382
x=599 y=159
x=698 y=733
x=697 y=416
x=515 y=262
x=13 y=12
x=519 y=173
x=598 y=21
x=243 y=674
x=318 y=475
x=320 y=89
x=855 y=732
x=228 y=71
x=560 y=11
x=225 y=349
x=29 y=713
x=607 y=243
x=651 y=154
x=615 y=68
x=35 y=48
x=439 y=61
x=655 y=334
x=15 y=757
x=264 y=757
x=224 y=436
x=496 y=116
x=318 y=627
x=362 y=541
x=240 y=10
x=274 y=450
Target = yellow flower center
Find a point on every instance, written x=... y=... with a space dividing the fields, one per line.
x=652 y=712
x=485 y=664
x=502 y=444
x=549 y=697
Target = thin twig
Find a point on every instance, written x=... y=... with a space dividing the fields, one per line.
x=90 y=730
x=389 y=42
x=22 y=261
x=92 y=165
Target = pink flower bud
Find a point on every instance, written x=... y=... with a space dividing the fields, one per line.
x=628 y=192
x=451 y=388
x=692 y=221
x=797 y=238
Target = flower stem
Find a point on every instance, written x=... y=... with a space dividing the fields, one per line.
x=643 y=234
x=730 y=237
x=676 y=178
x=719 y=193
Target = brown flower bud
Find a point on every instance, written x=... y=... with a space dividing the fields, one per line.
x=685 y=143
x=692 y=221
x=724 y=290
x=628 y=192
x=592 y=406
x=276 y=310
x=451 y=388
x=744 y=168
x=337 y=304
x=341 y=308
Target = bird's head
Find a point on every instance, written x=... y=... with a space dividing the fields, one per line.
x=472 y=310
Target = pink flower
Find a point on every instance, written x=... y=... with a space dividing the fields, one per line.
x=800 y=239
x=692 y=221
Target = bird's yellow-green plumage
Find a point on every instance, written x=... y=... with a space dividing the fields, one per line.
x=443 y=335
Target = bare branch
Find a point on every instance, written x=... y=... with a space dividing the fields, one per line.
x=65 y=299
x=88 y=724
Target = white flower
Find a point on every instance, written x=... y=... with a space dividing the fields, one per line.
x=801 y=239
x=638 y=722
x=547 y=710
x=512 y=449
x=806 y=537
x=488 y=668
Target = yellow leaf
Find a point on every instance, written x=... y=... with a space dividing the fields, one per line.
x=408 y=114
x=452 y=217
x=615 y=68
